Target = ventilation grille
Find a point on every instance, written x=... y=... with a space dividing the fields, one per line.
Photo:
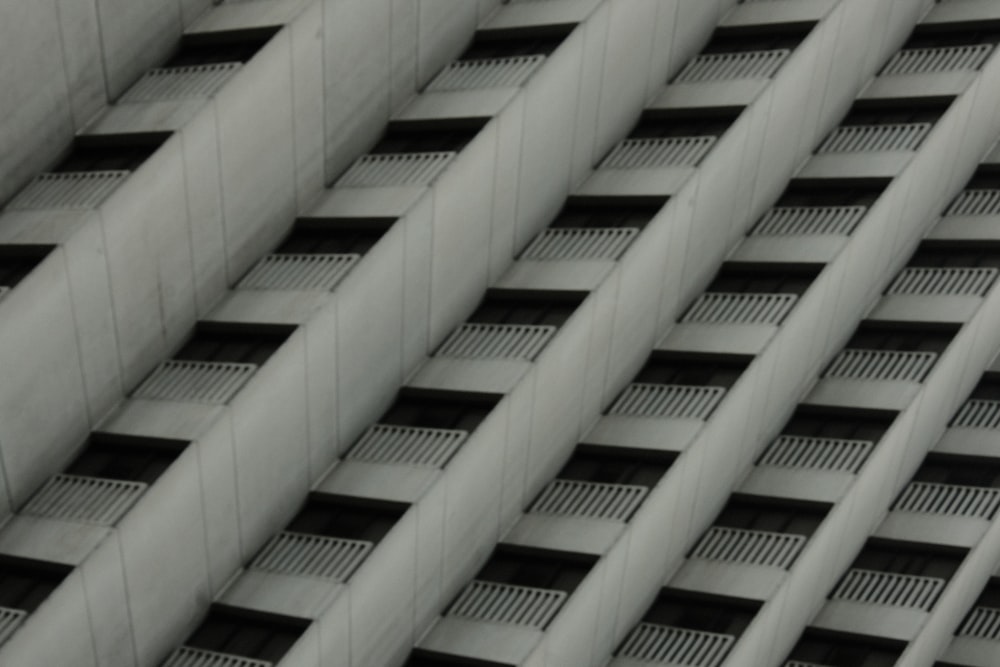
x=752 y=547
x=741 y=65
x=973 y=501
x=388 y=169
x=10 y=620
x=667 y=400
x=582 y=243
x=887 y=588
x=658 y=152
x=88 y=499
x=68 y=190
x=872 y=138
x=881 y=365
x=803 y=220
x=975 y=202
x=982 y=622
x=797 y=451
x=195 y=381
x=299 y=271
x=506 y=603
x=951 y=281
x=186 y=656
x=676 y=646
x=175 y=83
x=486 y=73
x=736 y=308
x=383 y=443
x=590 y=499
x=308 y=555
x=497 y=341
x=978 y=413
x=943 y=59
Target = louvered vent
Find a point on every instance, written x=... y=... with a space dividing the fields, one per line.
x=975 y=202
x=68 y=190
x=186 y=656
x=195 y=381
x=580 y=243
x=950 y=281
x=651 y=153
x=676 y=646
x=305 y=271
x=88 y=499
x=982 y=622
x=727 y=66
x=497 y=341
x=938 y=59
x=978 y=413
x=740 y=308
x=10 y=620
x=888 y=588
x=383 y=443
x=486 y=73
x=506 y=603
x=972 y=501
x=881 y=365
x=590 y=499
x=872 y=138
x=804 y=220
x=389 y=169
x=174 y=83
x=752 y=547
x=798 y=451
x=667 y=400
x=308 y=555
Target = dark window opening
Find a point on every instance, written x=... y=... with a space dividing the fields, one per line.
x=505 y=43
x=246 y=633
x=428 y=136
x=705 y=613
x=347 y=518
x=334 y=236
x=607 y=212
x=125 y=457
x=891 y=112
x=25 y=583
x=707 y=122
x=832 y=192
x=930 y=35
x=440 y=409
x=845 y=650
x=986 y=177
x=902 y=337
x=767 y=514
x=746 y=277
x=716 y=370
x=616 y=465
x=17 y=261
x=509 y=306
x=228 y=46
x=961 y=470
x=536 y=568
x=988 y=388
x=840 y=423
x=990 y=597
x=424 y=658
x=232 y=342
x=758 y=38
x=923 y=560
x=109 y=152
x=960 y=254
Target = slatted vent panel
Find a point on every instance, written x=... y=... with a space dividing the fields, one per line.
x=88 y=499
x=506 y=603
x=308 y=555
x=752 y=547
x=173 y=83
x=68 y=190
x=590 y=499
x=798 y=451
x=305 y=271
x=497 y=341
x=667 y=400
x=802 y=220
x=973 y=501
x=486 y=73
x=942 y=59
x=725 y=66
x=195 y=381
x=651 y=153
x=10 y=619
x=888 y=588
x=186 y=656
x=978 y=413
x=676 y=646
x=975 y=202
x=738 y=308
x=881 y=365
x=872 y=138
x=983 y=622
x=950 y=281
x=383 y=443
x=388 y=169
x=580 y=243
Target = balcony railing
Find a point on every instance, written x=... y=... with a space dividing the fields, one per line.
x=87 y=499
x=10 y=620
x=395 y=169
x=497 y=341
x=944 y=281
x=881 y=365
x=505 y=603
x=307 y=555
x=186 y=656
x=307 y=271
x=808 y=220
x=486 y=73
x=68 y=190
x=195 y=381
x=582 y=243
x=728 y=66
x=938 y=59
x=409 y=445
x=888 y=588
x=750 y=547
x=740 y=308
x=873 y=138
x=654 y=643
x=667 y=400
x=978 y=413
x=972 y=501
x=174 y=83
x=655 y=152
x=834 y=454
x=975 y=202
x=982 y=622
x=589 y=499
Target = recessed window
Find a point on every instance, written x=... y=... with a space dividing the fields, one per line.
x=758 y=278
x=246 y=633
x=440 y=409
x=607 y=212
x=505 y=43
x=428 y=136
x=25 y=582
x=334 y=235
x=129 y=458
x=232 y=342
x=758 y=38
x=958 y=254
x=225 y=46
x=832 y=192
x=896 y=111
x=109 y=152
x=17 y=261
x=661 y=123
x=348 y=518
x=706 y=613
x=616 y=465
x=901 y=336
x=844 y=423
x=536 y=568
x=540 y=307
x=845 y=650
x=772 y=515
x=913 y=559
x=718 y=370
x=962 y=470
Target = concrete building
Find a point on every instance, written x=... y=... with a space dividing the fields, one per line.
x=563 y=333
